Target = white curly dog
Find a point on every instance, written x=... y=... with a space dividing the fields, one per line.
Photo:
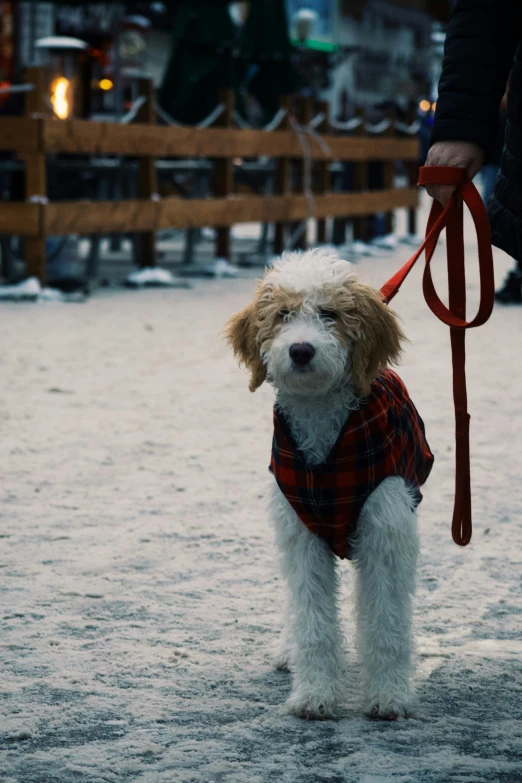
x=324 y=339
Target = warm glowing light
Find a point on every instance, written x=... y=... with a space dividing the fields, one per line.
x=60 y=97
x=424 y=105
x=105 y=84
x=434 y=105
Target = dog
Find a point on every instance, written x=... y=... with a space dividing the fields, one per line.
x=349 y=455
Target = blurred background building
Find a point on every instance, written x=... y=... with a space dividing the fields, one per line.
x=350 y=52
x=370 y=59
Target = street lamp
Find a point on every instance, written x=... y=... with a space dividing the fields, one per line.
x=64 y=55
x=304 y=21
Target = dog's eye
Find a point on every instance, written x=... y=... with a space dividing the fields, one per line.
x=283 y=313
x=329 y=315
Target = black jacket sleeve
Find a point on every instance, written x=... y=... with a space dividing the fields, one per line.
x=480 y=45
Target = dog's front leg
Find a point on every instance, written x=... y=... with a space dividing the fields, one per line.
x=309 y=568
x=386 y=550
x=284 y=658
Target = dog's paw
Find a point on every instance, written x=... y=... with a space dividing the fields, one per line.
x=389 y=709
x=282 y=663
x=312 y=706
x=283 y=659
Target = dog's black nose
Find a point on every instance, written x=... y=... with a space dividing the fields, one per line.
x=302 y=353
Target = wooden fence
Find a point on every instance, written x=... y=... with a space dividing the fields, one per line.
x=34 y=137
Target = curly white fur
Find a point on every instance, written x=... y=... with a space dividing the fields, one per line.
x=317 y=399
x=309 y=272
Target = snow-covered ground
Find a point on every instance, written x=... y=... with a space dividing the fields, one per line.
x=139 y=591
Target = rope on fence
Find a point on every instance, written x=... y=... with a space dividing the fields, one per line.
x=14 y=88
x=317 y=120
x=212 y=117
x=276 y=120
x=133 y=111
x=350 y=125
x=270 y=126
x=310 y=130
x=378 y=127
x=205 y=123
x=165 y=116
x=410 y=130
x=240 y=122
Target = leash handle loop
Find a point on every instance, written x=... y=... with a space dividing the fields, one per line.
x=451 y=218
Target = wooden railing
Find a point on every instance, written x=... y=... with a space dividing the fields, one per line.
x=35 y=137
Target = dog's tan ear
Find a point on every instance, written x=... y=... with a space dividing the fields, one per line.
x=379 y=343
x=241 y=334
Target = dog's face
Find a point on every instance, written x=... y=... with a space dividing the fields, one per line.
x=313 y=326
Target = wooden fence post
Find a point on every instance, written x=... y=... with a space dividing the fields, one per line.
x=36 y=174
x=283 y=177
x=147 y=177
x=224 y=173
x=323 y=182
x=389 y=173
x=303 y=112
x=361 y=225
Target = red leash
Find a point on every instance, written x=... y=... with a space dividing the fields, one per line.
x=451 y=219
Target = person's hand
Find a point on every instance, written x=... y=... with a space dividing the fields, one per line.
x=461 y=154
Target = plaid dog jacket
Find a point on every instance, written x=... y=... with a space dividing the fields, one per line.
x=384 y=437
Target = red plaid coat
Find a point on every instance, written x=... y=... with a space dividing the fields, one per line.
x=384 y=437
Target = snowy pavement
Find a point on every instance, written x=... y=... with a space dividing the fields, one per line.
x=139 y=591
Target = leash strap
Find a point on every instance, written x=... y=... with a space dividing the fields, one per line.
x=451 y=219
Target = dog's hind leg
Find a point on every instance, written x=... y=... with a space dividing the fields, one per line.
x=314 y=643
x=386 y=548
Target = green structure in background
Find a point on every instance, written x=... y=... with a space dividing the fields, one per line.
x=265 y=58
x=210 y=52
x=201 y=60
